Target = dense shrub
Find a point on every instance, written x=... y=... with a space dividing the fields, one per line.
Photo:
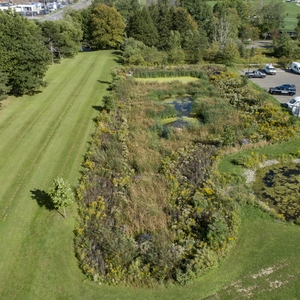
x=278 y=187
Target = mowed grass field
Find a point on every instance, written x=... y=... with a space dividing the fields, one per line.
x=45 y=136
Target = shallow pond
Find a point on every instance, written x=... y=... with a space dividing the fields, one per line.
x=183 y=108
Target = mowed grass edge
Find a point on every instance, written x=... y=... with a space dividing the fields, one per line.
x=43 y=137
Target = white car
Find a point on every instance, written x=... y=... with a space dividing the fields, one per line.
x=294 y=106
x=269 y=69
x=292 y=103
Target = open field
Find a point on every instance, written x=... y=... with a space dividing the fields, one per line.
x=292 y=9
x=45 y=136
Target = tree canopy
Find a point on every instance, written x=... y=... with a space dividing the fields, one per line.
x=106 y=27
x=61 y=194
x=23 y=55
x=63 y=36
x=142 y=28
x=4 y=88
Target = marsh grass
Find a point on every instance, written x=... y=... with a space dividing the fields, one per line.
x=146 y=210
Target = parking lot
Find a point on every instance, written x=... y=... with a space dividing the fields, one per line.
x=282 y=76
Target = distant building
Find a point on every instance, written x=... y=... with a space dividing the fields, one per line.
x=24 y=8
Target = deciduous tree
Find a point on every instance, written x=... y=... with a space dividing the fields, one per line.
x=23 y=55
x=107 y=28
x=224 y=27
x=61 y=194
x=270 y=17
x=63 y=36
x=137 y=53
x=83 y=17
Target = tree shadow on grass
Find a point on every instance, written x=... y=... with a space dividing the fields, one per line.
x=119 y=56
x=42 y=198
x=104 y=81
x=98 y=107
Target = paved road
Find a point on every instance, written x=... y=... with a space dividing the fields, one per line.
x=58 y=14
x=282 y=76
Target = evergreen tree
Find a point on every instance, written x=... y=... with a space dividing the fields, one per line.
x=182 y=21
x=106 y=27
x=287 y=48
x=194 y=42
x=162 y=18
x=126 y=8
x=23 y=55
x=141 y=27
x=175 y=54
x=199 y=10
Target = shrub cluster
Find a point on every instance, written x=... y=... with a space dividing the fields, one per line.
x=202 y=216
x=200 y=71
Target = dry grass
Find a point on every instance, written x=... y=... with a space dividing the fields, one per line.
x=148 y=203
x=148 y=194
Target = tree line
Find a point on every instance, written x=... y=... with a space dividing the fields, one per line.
x=160 y=33
x=184 y=31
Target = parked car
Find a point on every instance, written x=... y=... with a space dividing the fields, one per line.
x=295 y=102
x=289 y=85
x=269 y=69
x=282 y=90
x=256 y=74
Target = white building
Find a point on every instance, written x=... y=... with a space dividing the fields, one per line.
x=22 y=8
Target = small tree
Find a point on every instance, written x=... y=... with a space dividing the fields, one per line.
x=61 y=194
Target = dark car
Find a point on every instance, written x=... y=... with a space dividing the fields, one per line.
x=282 y=90
x=289 y=85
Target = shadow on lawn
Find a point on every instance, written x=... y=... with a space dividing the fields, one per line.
x=98 y=107
x=42 y=198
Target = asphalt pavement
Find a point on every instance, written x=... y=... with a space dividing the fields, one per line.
x=58 y=14
x=282 y=76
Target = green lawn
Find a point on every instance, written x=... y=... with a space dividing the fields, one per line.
x=183 y=79
x=46 y=136
x=43 y=137
x=292 y=9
